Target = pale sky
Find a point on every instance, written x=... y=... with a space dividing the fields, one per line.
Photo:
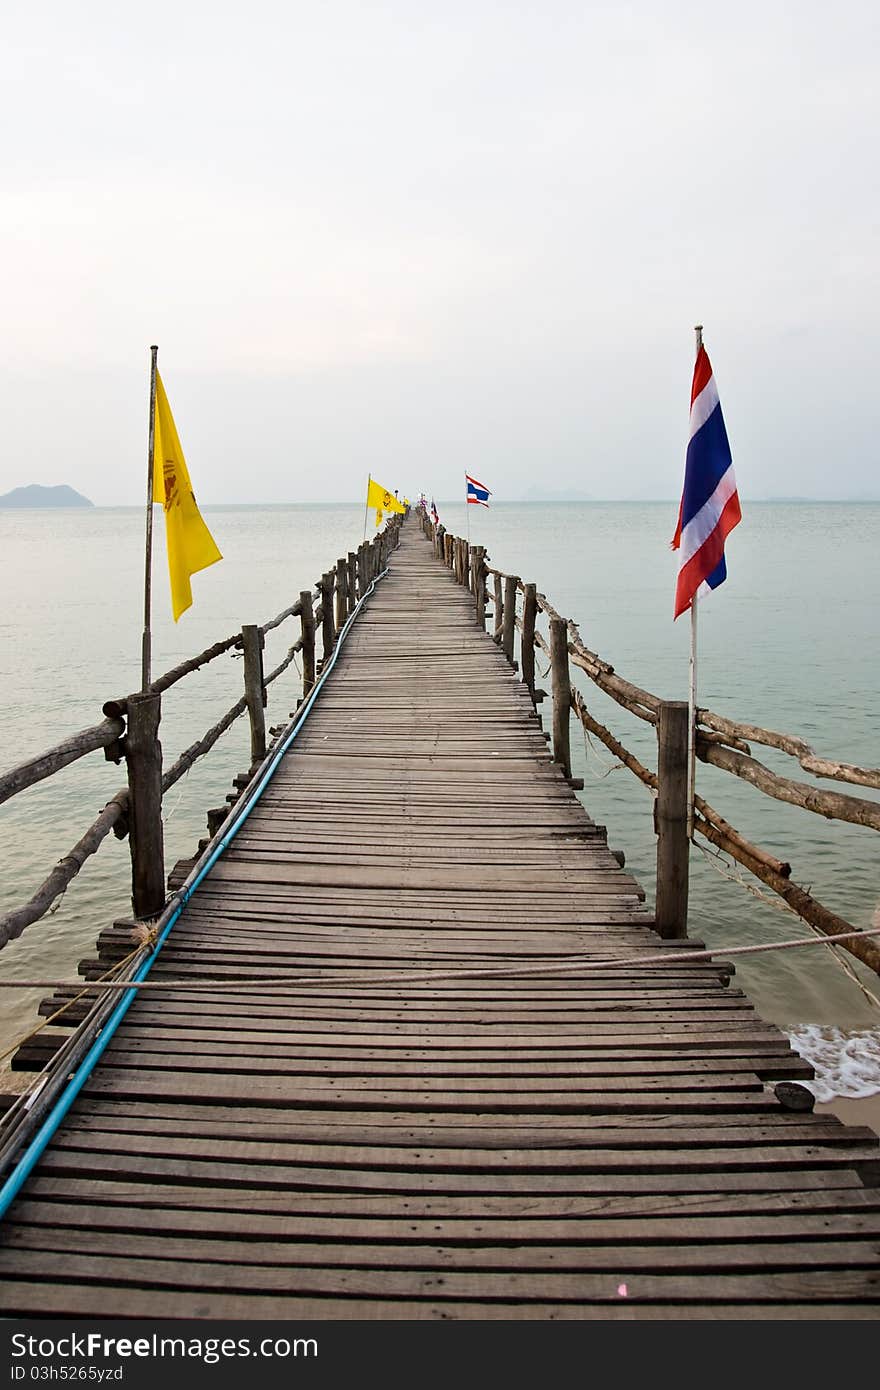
x=418 y=239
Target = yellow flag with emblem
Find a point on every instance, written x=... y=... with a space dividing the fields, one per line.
x=189 y=543
x=383 y=500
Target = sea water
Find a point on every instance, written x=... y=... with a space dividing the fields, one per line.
x=789 y=643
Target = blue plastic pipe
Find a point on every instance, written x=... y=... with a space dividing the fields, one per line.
x=34 y=1152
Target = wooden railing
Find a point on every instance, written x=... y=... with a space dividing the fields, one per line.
x=724 y=743
x=129 y=732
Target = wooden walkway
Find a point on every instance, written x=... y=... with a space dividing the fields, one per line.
x=602 y=1145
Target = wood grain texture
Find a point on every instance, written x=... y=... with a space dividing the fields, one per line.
x=359 y=1145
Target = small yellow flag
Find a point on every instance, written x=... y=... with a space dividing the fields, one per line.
x=189 y=543
x=380 y=498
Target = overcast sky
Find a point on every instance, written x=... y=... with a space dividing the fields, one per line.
x=417 y=239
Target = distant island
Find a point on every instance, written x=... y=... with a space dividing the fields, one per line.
x=37 y=496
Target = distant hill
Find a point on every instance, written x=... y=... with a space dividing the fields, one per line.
x=37 y=496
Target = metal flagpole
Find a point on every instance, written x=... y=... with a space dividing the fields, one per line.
x=367 y=507
x=146 y=644
x=692 y=692
x=467 y=510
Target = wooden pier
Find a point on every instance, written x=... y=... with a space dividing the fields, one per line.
x=482 y=1140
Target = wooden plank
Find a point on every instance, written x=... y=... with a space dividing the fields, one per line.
x=510 y=1145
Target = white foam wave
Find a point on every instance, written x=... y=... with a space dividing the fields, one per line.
x=847 y=1063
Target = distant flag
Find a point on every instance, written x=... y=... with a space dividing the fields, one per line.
x=477 y=493
x=383 y=500
x=190 y=545
x=434 y=517
x=709 y=507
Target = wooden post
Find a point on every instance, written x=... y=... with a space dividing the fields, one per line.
x=352 y=581
x=465 y=564
x=671 y=818
x=307 y=624
x=143 y=753
x=499 y=609
x=480 y=585
x=363 y=581
x=561 y=693
x=254 y=689
x=508 y=631
x=527 y=643
x=341 y=593
x=328 y=631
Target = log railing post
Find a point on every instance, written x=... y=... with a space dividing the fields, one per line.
x=561 y=693
x=363 y=556
x=143 y=753
x=341 y=592
x=328 y=631
x=508 y=630
x=465 y=564
x=480 y=585
x=499 y=610
x=307 y=623
x=671 y=812
x=527 y=642
x=254 y=689
x=352 y=581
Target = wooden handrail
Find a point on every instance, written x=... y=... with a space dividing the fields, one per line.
x=359 y=570
x=76 y=746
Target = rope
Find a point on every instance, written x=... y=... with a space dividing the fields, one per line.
x=539 y=968
x=725 y=869
x=86 y=989
x=590 y=748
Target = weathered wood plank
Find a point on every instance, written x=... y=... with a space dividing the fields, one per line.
x=498 y=1146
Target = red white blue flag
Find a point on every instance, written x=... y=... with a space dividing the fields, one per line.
x=477 y=493
x=434 y=517
x=709 y=502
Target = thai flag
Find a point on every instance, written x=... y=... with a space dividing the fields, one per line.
x=434 y=517
x=477 y=493
x=709 y=502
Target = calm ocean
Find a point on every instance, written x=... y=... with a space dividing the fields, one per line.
x=790 y=642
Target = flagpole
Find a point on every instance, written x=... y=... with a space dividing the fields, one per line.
x=146 y=643
x=467 y=511
x=367 y=507
x=692 y=683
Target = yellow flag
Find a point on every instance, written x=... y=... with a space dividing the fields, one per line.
x=189 y=543
x=380 y=498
